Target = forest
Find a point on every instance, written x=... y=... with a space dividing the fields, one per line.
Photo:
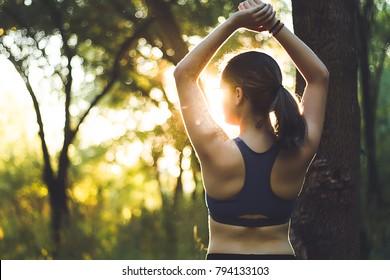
x=95 y=162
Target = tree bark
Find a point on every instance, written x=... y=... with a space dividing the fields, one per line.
x=325 y=223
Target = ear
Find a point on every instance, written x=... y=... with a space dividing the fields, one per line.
x=239 y=96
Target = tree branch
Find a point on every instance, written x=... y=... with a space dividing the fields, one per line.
x=20 y=21
x=120 y=9
x=48 y=170
x=169 y=30
x=59 y=23
x=114 y=72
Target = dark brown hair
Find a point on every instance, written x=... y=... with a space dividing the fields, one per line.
x=260 y=78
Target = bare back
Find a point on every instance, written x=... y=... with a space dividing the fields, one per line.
x=221 y=161
x=287 y=178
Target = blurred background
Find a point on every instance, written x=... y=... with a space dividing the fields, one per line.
x=94 y=159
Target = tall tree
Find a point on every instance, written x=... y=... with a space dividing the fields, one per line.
x=373 y=40
x=28 y=36
x=373 y=44
x=325 y=224
x=111 y=47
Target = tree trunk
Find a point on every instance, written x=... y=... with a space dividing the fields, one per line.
x=325 y=223
x=365 y=17
x=59 y=208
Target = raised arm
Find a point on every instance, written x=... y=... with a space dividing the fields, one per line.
x=313 y=71
x=316 y=76
x=206 y=136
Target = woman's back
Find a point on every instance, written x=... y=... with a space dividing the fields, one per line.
x=264 y=232
x=228 y=239
x=253 y=220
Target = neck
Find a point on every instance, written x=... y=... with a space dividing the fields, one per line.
x=256 y=128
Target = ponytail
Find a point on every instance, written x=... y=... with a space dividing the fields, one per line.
x=260 y=78
x=290 y=125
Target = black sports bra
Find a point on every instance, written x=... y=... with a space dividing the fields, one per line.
x=256 y=196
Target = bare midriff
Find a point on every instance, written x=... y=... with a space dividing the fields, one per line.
x=229 y=239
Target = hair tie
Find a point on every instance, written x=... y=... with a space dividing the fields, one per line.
x=279 y=86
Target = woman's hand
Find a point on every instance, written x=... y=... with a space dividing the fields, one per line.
x=255 y=15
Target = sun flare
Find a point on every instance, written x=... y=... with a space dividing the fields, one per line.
x=213 y=94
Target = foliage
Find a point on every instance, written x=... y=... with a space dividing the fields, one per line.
x=374 y=81
x=375 y=217
x=133 y=179
x=125 y=161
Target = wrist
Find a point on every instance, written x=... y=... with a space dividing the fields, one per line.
x=233 y=22
x=276 y=28
x=272 y=24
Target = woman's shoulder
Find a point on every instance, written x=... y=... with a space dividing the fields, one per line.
x=223 y=170
x=222 y=154
x=289 y=171
x=297 y=156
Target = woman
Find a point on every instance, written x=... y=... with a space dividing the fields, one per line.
x=252 y=181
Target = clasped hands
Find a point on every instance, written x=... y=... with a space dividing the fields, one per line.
x=255 y=15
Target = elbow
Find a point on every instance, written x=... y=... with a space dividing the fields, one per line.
x=321 y=76
x=325 y=78
x=325 y=74
x=183 y=73
x=178 y=73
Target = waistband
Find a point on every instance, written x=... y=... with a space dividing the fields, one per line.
x=221 y=256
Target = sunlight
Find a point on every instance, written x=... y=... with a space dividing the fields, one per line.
x=107 y=125
x=169 y=85
x=128 y=155
x=102 y=124
x=126 y=213
x=213 y=95
x=187 y=175
x=169 y=161
x=1 y=233
x=84 y=192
